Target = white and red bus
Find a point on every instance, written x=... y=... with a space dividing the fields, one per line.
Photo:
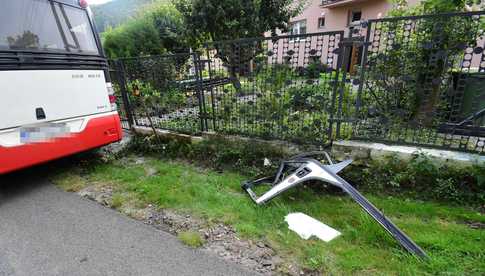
x=56 y=96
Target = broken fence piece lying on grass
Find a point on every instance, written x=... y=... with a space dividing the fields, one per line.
x=301 y=168
x=306 y=226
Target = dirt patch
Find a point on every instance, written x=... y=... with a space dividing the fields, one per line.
x=101 y=194
x=219 y=239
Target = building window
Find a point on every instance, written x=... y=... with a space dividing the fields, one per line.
x=354 y=16
x=321 y=22
x=297 y=28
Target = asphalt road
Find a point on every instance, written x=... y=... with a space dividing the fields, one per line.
x=45 y=231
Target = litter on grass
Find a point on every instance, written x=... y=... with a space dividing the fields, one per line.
x=304 y=167
x=306 y=226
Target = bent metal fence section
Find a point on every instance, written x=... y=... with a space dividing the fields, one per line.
x=409 y=80
x=160 y=91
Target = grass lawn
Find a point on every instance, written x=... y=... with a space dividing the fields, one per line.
x=363 y=248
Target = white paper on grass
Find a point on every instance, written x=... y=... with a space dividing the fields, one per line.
x=306 y=226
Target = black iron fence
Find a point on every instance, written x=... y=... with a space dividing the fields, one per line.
x=279 y=88
x=412 y=80
x=123 y=108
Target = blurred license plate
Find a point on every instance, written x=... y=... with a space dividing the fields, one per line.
x=43 y=132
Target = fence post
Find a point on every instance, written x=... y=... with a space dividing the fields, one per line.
x=363 y=62
x=335 y=85
x=213 y=104
x=345 y=46
x=200 y=92
x=120 y=74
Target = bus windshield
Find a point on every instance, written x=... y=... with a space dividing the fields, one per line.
x=44 y=25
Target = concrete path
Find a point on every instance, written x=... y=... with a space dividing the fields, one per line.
x=45 y=231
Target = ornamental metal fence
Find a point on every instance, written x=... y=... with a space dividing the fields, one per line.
x=416 y=80
x=276 y=88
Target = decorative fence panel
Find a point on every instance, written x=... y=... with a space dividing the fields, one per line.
x=278 y=88
x=422 y=81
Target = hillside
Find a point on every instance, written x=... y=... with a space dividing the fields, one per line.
x=116 y=12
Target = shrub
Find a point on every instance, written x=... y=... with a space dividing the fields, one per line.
x=153 y=101
x=156 y=30
x=314 y=69
x=273 y=78
x=422 y=178
x=117 y=201
x=137 y=37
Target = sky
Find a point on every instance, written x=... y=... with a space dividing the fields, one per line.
x=97 y=2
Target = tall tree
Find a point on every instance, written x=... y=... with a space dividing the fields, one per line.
x=219 y=20
x=232 y=19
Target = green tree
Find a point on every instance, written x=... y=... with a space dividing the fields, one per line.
x=216 y=20
x=169 y=24
x=155 y=30
x=232 y=19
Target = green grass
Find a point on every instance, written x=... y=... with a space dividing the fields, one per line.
x=363 y=248
x=69 y=181
x=117 y=201
x=191 y=238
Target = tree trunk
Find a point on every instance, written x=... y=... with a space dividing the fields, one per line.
x=429 y=92
x=234 y=78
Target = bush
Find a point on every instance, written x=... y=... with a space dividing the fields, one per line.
x=138 y=37
x=314 y=69
x=144 y=96
x=422 y=178
x=155 y=31
x=273 y=78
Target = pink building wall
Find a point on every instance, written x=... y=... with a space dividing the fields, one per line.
x=336 y=18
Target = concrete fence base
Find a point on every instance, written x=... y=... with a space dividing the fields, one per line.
x=361 y=152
